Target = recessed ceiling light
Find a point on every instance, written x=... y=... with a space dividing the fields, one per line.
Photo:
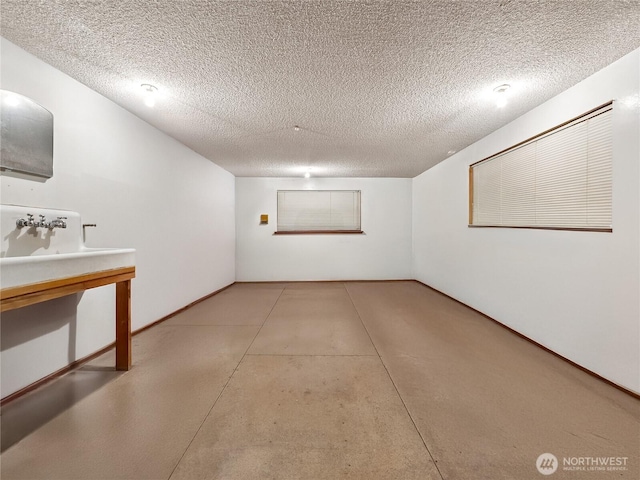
x=501 y=94
x=307 y=175
x=149 y=94
x=296 y=128
x=303 y=170
x=451 y=152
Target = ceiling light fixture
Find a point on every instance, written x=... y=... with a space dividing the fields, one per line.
x=149 y=94
x=501 y=94
x=304 y=170
x=296 y=128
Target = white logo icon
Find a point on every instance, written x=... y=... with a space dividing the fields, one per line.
x=547 y=463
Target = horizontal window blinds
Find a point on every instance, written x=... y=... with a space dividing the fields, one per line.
x=318 y=210
x=562 y=179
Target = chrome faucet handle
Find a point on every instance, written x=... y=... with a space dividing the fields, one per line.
x=21 y=222
x=59 y=222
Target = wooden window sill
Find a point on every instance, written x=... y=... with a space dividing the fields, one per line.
x=320 y=232
x=570 y=229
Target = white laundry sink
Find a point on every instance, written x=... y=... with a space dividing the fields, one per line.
x=17 y=271
x=34 y=254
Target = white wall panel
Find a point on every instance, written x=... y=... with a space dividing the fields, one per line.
x=577 y=293
x=382 y=252
x=144 y=190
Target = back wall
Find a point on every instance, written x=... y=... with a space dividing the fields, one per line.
x=382 y=253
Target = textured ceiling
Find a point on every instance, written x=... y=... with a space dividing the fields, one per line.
x=378 y=88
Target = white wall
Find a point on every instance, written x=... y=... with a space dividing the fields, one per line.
x=577 y=293
x=144 y=190
x=383 y=252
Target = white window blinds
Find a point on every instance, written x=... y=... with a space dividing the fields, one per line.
x=318 y=210
x=562 y=179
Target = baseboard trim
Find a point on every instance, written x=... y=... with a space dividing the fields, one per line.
x=327 y=281
x=78 y=363
x=530 y=340
x=52 y=376
x=180 y=310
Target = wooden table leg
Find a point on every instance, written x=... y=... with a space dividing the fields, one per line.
x=123 y=325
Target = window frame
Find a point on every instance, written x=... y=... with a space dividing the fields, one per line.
x=320 y=232
x=605 y=107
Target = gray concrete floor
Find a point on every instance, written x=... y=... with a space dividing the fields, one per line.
x=357 y=380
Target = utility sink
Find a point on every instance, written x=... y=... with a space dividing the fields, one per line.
x=35 y=253
x=17 y=271
x=44 y=257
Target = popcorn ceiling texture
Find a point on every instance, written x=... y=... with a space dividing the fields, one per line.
x=379 y=88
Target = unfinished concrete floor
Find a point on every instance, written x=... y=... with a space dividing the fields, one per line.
x=385 y=380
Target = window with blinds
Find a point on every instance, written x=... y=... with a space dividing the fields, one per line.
x=319 y=211
x=561 y=179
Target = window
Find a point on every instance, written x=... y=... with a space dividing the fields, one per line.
x=560 y=179
x=319 y=211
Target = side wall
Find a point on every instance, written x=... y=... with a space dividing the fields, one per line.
x=144 y=190
x=577 y=293
x=383 y=252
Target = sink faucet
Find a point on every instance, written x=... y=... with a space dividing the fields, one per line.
x=57 y=223
x=29 y=222
x=26 y=223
